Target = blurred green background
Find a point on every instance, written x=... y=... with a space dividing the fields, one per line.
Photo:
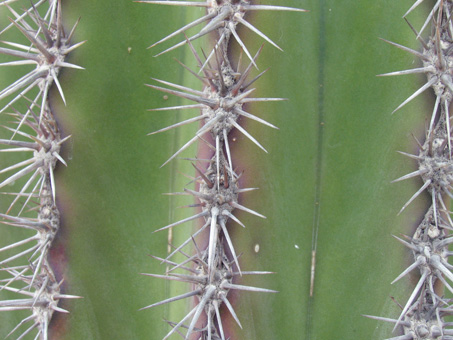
x=327 y=173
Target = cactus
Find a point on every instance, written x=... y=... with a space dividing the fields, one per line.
x=110 y=192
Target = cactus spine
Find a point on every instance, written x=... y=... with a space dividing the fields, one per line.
x=214 y=268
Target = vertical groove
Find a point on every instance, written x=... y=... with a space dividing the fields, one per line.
x=318 y=170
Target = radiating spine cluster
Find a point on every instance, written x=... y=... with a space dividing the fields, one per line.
x=211 y=271
x=423 y=315
x=35 y=134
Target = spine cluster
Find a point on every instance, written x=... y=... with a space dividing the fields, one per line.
x=219 y=105
x=35 y=137
x=424 y=314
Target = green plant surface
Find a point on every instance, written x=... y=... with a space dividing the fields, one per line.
x=328 y=171
x=330 y=167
